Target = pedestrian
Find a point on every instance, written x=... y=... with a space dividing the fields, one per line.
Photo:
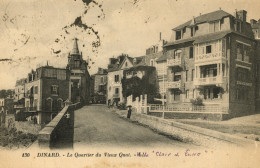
x=108 y=103
x=129 y=111
x=34 y=119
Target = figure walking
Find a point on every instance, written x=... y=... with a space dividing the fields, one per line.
x=129 y=111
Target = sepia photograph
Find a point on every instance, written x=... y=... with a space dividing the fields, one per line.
x=130 y=83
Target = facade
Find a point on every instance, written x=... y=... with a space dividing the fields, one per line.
x=140 y=80
x=114 y=77
x=154 y=57
x=213 y=57
x=45 y=92
x=79 y=77
x=7 y=106
x=256 y=29
x=99 y=86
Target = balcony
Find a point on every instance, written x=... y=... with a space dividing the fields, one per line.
x=173 y=62
x=116 y=96
x=173 y=85
x=211 y=57
x=216 y=80
x=31 y=109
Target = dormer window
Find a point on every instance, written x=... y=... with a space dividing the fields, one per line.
x=178 y=35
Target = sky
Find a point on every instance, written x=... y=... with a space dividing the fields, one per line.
x=33 y=32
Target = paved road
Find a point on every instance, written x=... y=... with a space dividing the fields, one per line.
x=97 y=126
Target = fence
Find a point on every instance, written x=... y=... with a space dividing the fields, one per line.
x=188 y=109
x=140 y=104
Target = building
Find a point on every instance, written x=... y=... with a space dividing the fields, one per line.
x=98 y=89
x=44 y=92
x=7 y=106
x=79 y=77
x=256 y=29
x=212 y=56
x=114 y=77
x=140 y=80
x=155 y=57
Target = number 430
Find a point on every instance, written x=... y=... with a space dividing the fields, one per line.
x=26 y=155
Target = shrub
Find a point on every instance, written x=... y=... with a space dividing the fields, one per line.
x=121 y=106
x=198 y=101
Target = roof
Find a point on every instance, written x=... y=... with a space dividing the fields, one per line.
x=75 y=50
x=209 y=17
x=211 y=37
x=201 y=39
x=121 y=59
x=162 y=58
x=256 y=26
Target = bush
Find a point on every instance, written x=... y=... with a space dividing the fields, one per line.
x=121 y=106
x=198 y=101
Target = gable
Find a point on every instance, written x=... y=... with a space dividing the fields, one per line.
x=126 y=64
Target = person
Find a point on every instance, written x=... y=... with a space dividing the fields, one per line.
x=129 y=111
x=108 y=103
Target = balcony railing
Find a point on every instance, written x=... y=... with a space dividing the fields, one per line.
x=209 y=57
x=116 y=95
x=18 y=106
x=30 y=109
x=173 y=84
x=174 y=62
x=210 y=80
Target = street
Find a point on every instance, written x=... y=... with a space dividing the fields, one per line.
x=97 y=126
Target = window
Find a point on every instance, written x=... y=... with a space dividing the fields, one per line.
x=192 y=75
x=54 y=89
x=177 y=54
x=102 y=79
x=238 y=26
x=187 y=94
x=243 y=52
x=208 y=49
x=116 y=90
x=191 y=31
x=187 y=72
x=152 y=62
x=193 y=93
x=126 y=64
x=243 y=74
x=178 y=35
x=239 y=52
x=196 y=28
x=191 y=52
x=35 y=89
x=177 y=76
x=116 y=78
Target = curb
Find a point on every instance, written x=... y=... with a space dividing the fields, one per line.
x=159 y=123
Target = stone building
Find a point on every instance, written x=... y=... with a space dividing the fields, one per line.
x=98 y=89
x=7 y=105
x=256 y=30
x=45 y=91
x=79 y=77
x=115 y=74
x=212 y=56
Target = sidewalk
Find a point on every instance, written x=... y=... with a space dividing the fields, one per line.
x=188 y=133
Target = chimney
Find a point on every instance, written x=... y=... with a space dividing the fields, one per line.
x=160 y=36
x=252 y=21
x=241 y=15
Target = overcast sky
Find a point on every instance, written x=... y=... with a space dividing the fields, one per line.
x=34 y=31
